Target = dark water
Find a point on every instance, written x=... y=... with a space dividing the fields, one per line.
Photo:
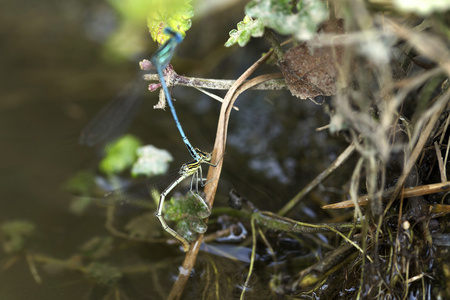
x=55 y=76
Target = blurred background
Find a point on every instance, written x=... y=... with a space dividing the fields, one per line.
x=61 y=61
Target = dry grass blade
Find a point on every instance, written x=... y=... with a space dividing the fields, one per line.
x=437 y=109
x=386 y=98
x=441 y=162
x=214 y=172
x=407 y=193
x=427 y=44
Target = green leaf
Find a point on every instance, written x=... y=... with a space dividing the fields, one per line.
x=129 y=37
x=79 y=205
x=98 y=247
x=280 y=16
x=103 y=273
x=175 y=14
x=13 y=235
x=245 y=30
x=82 y=183
x=184 y=229
x=120 y=155
x=179 y=207
x=142 y=226
x=132 y=10
x=188 y=213
x=198 y=225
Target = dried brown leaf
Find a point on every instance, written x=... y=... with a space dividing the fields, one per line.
x=310 y=69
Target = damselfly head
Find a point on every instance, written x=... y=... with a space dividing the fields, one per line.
x=184 y=169
x=190 y=168
x=205 y=156
x=178 y=38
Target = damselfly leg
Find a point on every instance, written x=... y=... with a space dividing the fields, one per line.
x=189 y=169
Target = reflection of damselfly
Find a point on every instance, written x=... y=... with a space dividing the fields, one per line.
x=189 y=169
x=117 y=115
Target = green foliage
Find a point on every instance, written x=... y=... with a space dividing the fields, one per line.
x=188 y=214
x=128 y=39
x=13 y=235
x=103 y=273
x=184 y=229
x=132 y=10
x=178 y=208
x=301 y=20
x=175 y=14
x=142 y=226
x=120 y=155
x=79 y=205
x=81 y=183
x=97 y=247
x=245 y=30
x=197 y=225
x=174 y=210
x=190 y=227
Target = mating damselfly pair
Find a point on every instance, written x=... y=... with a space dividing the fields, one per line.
x=112 y=119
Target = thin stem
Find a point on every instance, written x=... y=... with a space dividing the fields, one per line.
x=217 y=84
x=252 y=259
x=270 y=36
